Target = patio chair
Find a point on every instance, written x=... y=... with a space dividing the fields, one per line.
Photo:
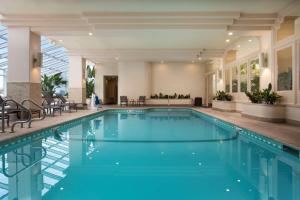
x=70 y=105
x=49 y=104
x=141 y=100
x=123 y=100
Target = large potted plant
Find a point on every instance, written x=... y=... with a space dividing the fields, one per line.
x=264 y=106
x=51 y=83
x=90 y=83
x=223 y=101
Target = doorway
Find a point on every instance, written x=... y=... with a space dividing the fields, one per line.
x=110 y=89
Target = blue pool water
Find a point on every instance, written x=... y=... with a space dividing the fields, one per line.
x=148 y=154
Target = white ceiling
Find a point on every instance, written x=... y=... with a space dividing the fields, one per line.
x=145 y=29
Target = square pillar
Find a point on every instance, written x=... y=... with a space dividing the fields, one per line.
x=77 y=79
x=24 y=72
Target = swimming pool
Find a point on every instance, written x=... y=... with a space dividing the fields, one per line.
x=148 y=154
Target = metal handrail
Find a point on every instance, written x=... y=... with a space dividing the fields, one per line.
x=37 y=105
x=20 y=108
x=26 y=166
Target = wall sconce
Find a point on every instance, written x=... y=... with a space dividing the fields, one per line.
x=264 y=60
x=37 y=60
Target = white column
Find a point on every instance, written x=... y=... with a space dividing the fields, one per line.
x=77 y=79
x=24 y=72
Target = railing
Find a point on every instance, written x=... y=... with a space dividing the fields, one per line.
x=31 y=163
x=18 y=108
x=41 y=109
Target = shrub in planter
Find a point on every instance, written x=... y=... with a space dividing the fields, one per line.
x=266 y=96
x=222 y=96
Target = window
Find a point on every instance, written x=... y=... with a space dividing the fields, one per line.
x=243 y=77
x=234 y=79
x=227 y=80
x=254 y=74
x=284 y=69
x=3 y=59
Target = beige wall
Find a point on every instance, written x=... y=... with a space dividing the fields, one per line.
x=134 y=79
x=179 y=77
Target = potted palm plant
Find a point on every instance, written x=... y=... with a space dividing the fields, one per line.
x=223 y=101
x=90 y=83
x=51 y=83
x=264 y=106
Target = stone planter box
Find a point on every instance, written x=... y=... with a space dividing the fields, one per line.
x=169 y=102
x=228 y=106
x=264 y=112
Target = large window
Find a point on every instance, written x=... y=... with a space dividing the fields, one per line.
x=235 y=79
x=243 y=77
x=284 y=70
x=3 y=59
x=227 y=80
x=254 y=74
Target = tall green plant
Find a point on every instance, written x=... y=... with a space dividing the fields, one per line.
x=51 y=83
x=266 y=96
x=90 y=83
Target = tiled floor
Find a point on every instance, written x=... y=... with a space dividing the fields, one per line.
x=284 y=133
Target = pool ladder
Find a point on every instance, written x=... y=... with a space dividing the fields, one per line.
x=19 y=108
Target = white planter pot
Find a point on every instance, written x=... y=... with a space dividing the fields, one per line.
x=264 y=112
x=169 y=101
x=228 y=106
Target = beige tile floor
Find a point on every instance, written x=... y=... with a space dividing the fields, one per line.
x=285 y=133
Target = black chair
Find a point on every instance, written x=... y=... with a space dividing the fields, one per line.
x=49 y=104
x=141 y=100
x=123 y=100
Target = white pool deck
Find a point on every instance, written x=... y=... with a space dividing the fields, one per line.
x=284 y=133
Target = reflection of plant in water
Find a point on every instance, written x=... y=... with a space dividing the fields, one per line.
x=255 y=84
x=285 y=80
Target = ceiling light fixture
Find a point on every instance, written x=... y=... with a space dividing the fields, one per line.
x=116 y=58
x=227 y=40
x=230 y=33
x=90 y=33
x=60 y=40
x=249 y=40
x=238 y=46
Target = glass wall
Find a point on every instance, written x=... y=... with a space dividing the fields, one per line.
x=227 y=80
x=254 y=74
x=284 y=69
x=234 y=79
x=243 y=77
x=3 y=60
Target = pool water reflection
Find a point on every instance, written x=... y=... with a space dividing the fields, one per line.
x=119 y=155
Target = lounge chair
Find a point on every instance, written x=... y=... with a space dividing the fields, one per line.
x=141 y=100
x=123 y=100
x=49 y=104
x=70 y=105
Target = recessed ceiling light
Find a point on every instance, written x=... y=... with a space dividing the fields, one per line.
x=117 y=58
x=60 y=40
x=230 y=33
x=199 y=58
x=249 y=40
x=227 y=40
x=238 y=46
x=90 y=33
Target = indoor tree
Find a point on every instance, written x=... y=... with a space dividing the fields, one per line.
x=90 y=82
x=51 y=83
